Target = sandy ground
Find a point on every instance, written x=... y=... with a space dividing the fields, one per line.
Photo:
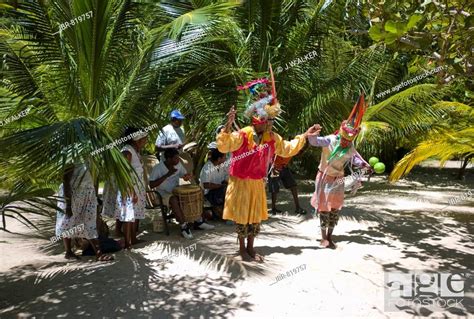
x=405 y=227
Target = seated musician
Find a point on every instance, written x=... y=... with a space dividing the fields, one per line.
x=213 y=178
x=165 y=177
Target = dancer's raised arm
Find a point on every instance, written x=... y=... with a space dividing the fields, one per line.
x=314 y=139
x=226 y=140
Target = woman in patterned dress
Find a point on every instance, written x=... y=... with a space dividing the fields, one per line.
x=78 y=210
x=131 y=208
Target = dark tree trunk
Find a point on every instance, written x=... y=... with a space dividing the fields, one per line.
x=462 y=170
x=4 y=222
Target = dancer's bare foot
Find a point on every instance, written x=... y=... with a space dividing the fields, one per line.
x=257 y=257
x=325 y=243
x=245 y=255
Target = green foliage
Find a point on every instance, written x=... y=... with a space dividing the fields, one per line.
x=84 y=84
x=134 y=61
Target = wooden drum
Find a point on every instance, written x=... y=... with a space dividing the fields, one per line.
x=191 y=201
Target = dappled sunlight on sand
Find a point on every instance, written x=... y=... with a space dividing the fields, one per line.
x=403 y=227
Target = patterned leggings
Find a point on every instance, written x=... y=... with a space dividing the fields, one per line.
x=244 y=231
x=329 y=219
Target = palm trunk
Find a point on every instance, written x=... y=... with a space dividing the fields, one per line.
x=3 y=218
x=462 y=170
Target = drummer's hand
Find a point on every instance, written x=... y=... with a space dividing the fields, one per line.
x=187 y=177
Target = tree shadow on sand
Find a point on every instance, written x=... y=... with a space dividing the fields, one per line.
x=421 y=237
x=130 y=287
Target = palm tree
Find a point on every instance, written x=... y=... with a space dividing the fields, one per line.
x=447 y=140
x=422 y=35
x=130 y=63
x=326 y=73
x=321 y=89
x=83 y=84
x=401 y=118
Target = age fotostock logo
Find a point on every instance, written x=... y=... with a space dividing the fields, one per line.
x=433 y=291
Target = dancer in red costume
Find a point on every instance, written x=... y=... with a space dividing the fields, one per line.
x=252 y=149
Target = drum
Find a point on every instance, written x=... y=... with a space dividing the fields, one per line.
x=190 y=146
x=186 y=156
x=149 y=162
x=187 y=161
x=191 y=201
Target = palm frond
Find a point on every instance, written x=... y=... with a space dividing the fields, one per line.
x=29 y=197
x=445 y=146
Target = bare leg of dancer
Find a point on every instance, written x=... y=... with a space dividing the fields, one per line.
x=333 y=218
x=323 y=219
x=242 y=233
x=251 y=251
x=253 y=231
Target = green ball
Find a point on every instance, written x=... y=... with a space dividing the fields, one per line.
x=373 y=160
x=379 y=168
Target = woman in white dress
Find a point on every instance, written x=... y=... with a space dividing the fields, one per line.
x=109 y=208
x=131 y=208
x=78 y=215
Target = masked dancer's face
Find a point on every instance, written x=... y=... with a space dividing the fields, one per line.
x=345 y=143
x=260 y=128
x=270 y=125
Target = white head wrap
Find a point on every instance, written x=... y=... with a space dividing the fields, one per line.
x=139 y=135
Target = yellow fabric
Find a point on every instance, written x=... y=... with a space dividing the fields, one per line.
x=288 y=148
x=245 y=199
x=230 y=142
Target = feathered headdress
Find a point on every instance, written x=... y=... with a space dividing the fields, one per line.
x=262 y=102
x=350 y=127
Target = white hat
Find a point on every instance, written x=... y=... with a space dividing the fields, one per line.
x=139 y=135
x=212 y=145
x=219 y=129
x=189 y=146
